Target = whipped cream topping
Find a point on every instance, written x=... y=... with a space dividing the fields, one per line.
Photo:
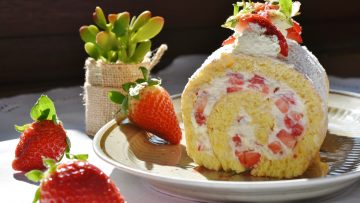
x=253 y=41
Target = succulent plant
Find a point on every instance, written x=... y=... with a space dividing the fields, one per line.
x=120 y=39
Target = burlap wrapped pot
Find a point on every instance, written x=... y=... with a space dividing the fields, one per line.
x=102 y=78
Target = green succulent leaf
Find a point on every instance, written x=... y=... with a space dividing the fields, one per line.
x=116 y=97
x=92 y=50
x=93 y=29
x=122 y=55
x=141 y=20
x=44 y=109
x=87 y=35
x=141 y=50
x=149 y=30
x=133 y=19
x=286 y=7
x=112 y=18
x=131 y=49
x=128 y=85
x=22 y=128
x=105 y=40
x=35 y=175
x=112 y=56
x=99 y=18
x=121 y=24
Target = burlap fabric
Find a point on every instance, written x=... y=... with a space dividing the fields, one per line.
x=101 y=78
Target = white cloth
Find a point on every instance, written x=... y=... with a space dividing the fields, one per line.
x=70 y=109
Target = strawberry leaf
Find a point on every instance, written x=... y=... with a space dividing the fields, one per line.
x=128 y=85
x=145 y=73
x=116 y=97
x=139 y=81
x=154 y=81
x=82 y=157
x=37 y=196
x=125 y=105
x=35 y=175
x=286 y=7
x=44 y=109
x=21 y=129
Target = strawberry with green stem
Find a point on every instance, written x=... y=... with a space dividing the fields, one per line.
x=73 y=182
x=45 y=137
x=149 y=106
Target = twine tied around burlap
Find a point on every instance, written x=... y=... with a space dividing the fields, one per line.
x=101 y=78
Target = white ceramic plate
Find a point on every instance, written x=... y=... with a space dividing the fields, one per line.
x=168 y=169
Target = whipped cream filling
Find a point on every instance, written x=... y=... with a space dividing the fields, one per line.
x=253 y=41
x=242 y=126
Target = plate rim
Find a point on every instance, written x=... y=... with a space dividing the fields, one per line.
x=243 y=185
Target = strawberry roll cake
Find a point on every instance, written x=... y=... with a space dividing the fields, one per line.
x=259 y=103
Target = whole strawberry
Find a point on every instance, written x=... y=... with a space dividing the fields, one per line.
x=45 y=137
x=149 y=106
x=74 y=182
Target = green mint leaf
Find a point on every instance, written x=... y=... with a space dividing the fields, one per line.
x=116 y=97
x=286 y=7
x=37 y=196
x=43 y=109
x=145 y=72
x=128 y=85
x=82 y=157
x=21 y=129
x=35 y=175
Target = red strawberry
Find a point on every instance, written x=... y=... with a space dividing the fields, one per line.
x=150 y=107
x=282 y=105
x=43 y=138
x=40 y=139
x=229 y=40
x=275 y=147
x=270 y=30
x=248 y=158
x=295 y=32
x=73 y=182
x=286 y=138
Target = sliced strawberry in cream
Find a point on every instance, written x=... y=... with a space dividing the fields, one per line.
x=296 y=115
x=257 y=80
x=237 y=140
x=233 y=89
x=289 y=123
x=201 y=101
x=282 y=104
x=286 y=138
x=275 y=147
x=248 y=158
x=236 y=79
x=297 y=129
